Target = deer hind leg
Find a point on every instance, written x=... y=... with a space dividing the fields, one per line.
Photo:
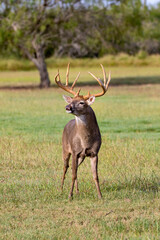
x=74 y=175
x=94 y=167
x=66 y=157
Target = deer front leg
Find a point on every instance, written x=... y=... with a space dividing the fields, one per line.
x=74 y=175
x=66 y=158
x=76 y=184
x=94 y=167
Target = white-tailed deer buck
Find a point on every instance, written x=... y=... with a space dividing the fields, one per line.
x=81 y=136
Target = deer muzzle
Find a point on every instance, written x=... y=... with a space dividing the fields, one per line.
x=69 y=109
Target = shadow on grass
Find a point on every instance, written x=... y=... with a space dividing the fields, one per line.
x=130 y=81
x=126 y=81
x=138 y=183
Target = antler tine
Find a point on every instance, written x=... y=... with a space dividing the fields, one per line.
x=104 y=74
x=104 y=85
x=66 y=87
x=99 y=81
x=67 y=74
x=87 y=96
x=58 y=77
x=75 y=81
x=109 y=79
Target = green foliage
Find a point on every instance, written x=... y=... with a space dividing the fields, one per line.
x=142 y=55
x=155 y=16
x=27 y=22
x=79 y=28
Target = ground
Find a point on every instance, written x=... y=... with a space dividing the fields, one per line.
x=32 y=205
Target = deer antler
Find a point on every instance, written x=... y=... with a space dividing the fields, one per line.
x=66 y=87
x=104 y=85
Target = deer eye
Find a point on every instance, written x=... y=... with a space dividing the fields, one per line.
x=82 y=103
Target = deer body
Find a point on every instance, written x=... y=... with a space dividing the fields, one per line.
x=80 y=139
x=81 y=136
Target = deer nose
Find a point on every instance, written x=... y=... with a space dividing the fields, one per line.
x=69 y=108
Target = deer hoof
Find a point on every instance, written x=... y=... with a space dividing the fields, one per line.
x=100 y=197
x=70 y=197
x=77 y=192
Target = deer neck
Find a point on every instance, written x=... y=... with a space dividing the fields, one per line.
x=86 y=123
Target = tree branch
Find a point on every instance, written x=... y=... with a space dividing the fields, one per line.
x=29 y=55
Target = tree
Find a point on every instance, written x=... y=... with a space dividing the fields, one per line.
x=31 y=26
x=151 y=42
x=75 y=28
x=37 y=26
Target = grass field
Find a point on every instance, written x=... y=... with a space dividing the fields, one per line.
x=120 y=76
x=31 y=125
x=121 y=59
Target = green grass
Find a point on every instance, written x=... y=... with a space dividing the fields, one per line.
x=122 y=59
x=120 y=75
x=122 y=72
x=32 y=205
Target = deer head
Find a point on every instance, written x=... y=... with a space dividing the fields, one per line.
x=78 y=104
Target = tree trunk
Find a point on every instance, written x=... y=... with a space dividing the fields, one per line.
x=42 y=67
x=40 y=63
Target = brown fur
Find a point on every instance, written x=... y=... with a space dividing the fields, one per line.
x=81 y=138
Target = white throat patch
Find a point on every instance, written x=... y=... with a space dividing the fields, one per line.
x=81 y=119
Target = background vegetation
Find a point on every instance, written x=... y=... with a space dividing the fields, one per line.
x=38 y=30
x=79 y=28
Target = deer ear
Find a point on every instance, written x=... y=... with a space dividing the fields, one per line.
x=91 y=100
x=67 y=99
